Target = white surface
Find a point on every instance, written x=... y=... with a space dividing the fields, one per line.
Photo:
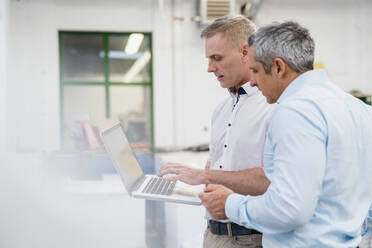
x=110 y=185
x=37 y=212
x=185 y=224
x=41 y=209
x=3 y=51
x=342 y=32
x=194 y=159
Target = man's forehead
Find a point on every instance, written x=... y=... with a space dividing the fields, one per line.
x=214 y=46
x=218 y=44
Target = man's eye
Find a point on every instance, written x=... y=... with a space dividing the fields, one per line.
x=217 y=58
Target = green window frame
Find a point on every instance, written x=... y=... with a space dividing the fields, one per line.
x=106 y=83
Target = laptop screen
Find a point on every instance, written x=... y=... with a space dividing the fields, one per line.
x=118 y=147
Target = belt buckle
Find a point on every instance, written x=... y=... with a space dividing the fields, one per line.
x=229 y=230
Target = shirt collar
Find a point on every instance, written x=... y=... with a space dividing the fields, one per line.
x=303 y=79
x=248 y=89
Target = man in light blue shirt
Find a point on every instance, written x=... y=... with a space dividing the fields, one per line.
x=318 y=151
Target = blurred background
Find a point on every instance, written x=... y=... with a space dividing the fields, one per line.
x=71 y=67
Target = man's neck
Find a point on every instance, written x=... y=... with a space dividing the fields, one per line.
x=234 y=89
x=290 y=78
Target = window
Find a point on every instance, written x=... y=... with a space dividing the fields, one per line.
x=105 y=76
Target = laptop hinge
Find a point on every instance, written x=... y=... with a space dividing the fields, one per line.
x=138 y=183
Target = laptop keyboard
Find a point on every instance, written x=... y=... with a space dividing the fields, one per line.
x=159 y=186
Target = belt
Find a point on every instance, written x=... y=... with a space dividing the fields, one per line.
x=231 y=229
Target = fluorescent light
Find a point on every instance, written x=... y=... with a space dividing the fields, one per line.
x=133 y=43
x=120 y=55
x=137 y=67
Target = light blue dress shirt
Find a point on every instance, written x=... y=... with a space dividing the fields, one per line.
x=318 y=157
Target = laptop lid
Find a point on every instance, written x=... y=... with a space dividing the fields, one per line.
x=129 y=169
x=122 y=156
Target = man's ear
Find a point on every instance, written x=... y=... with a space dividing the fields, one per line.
x=244 y=52
x=280 y=67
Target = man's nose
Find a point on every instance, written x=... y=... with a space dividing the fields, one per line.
x=211 y=67
x=253 y=82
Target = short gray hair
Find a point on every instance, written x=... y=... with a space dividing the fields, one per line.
x=236 y=28
x=288 y=41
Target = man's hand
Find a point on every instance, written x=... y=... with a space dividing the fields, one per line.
x=183 y=173
x=214 y=199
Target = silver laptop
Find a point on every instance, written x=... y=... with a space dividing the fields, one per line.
x=135 y=181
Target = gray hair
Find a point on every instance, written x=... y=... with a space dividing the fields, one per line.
x=288 y=41
x=236 y=28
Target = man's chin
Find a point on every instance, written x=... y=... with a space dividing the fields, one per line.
x=224 y=85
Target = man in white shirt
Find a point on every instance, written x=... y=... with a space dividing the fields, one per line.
x=238 y=130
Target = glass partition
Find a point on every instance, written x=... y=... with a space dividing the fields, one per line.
x=83 y=58
x=105 y=76
x=129 y=58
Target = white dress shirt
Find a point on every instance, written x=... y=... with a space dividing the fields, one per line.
x=238 y=131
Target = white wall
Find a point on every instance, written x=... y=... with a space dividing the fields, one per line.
x=342 y=31
x=3 y=96
x=184 y=93
x=195 y=92
x=34 y=65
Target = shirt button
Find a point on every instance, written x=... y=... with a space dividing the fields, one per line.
x=220 y=166
x=229 y=124
x=225 y=146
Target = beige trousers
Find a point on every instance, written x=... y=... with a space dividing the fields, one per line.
x=224 y=241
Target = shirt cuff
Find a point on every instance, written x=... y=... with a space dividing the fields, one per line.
x=232 y=206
